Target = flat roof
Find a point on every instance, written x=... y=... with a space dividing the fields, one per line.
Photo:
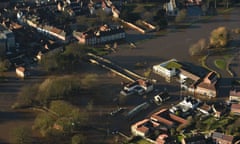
x=173 y=64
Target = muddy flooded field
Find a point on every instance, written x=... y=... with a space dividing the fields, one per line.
x=174 y=44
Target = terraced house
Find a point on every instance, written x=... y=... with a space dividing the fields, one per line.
x=101 y=35
x=48 y=30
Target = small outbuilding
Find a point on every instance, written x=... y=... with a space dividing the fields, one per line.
x=21 y=72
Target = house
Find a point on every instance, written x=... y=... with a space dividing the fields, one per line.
x=205 y=109
x=21 y=72
x=188 y=85
x=185 y=106
x=219 y=109
x=207 y=85
x=146 y=128
x=142 y=128
x=167 y=69
x=210 y=78
x=184 y=74
x=50 y=31
x=101 y=35
x=205 y=89
x=146 y=85
x=161 y=139
x=197 y=139
x=157 y=118
x=220 y=138
x=166 y=118
x=201 y=83
x=129 y=88
x=235 y=109
x=188 y=80
x=161 y=97
x=234 y=96
x=139 y=86
x=53 y=32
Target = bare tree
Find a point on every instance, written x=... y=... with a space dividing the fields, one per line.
x=219 y=37
x=198 y=47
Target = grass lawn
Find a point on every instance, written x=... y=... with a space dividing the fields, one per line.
x=220 y=63
x=173 y=64
x=179 y=138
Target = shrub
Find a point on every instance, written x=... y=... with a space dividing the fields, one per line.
x=78 y=139
x=43 y=122
x=198 y=47
x=21 y=135
x=55 y=88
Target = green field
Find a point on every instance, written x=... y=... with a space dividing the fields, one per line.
x=220 y=63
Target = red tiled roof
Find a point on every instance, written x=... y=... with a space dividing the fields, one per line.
x=235 y=106
x=207 y=86
x=162 y=120
x=189 y=74
x=177 y=118
x=158 y=117
x=143 y=129
x=22 y=69
x=205 y=107
x=227 y=138
x=234 y=93
x=160 y=139
x=222 y=137
x=137 y=124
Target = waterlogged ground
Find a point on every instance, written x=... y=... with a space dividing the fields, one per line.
x=174 y=44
